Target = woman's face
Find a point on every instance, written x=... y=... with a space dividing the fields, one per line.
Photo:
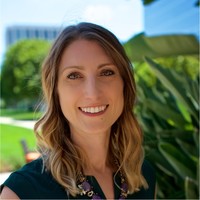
x=90 y=88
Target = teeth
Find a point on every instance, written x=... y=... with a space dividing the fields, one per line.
x=94 y=109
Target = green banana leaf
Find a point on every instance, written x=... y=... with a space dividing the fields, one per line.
x=158 y=160
x=190 y=189
x=161 y=46
x=177 y=160
x=163 y=111
x=196 y=139
x=184 y=135
x=175 y=87
x=189 y=149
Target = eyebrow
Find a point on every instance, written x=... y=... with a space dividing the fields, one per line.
x=82 y=67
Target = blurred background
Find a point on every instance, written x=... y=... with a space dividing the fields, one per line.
x=161 y=38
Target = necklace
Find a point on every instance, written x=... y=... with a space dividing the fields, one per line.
x=87 y=189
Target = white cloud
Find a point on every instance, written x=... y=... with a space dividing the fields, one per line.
x=122 y=18
x=100 y=14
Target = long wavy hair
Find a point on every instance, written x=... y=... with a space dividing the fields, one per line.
x=60 y=156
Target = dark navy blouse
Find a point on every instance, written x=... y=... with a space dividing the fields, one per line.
x=31 y=182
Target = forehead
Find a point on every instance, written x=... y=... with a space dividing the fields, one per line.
x=80 y=45
x=83 y=52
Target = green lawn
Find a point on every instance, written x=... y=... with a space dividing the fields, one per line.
x=20 y=114
x=11 y=152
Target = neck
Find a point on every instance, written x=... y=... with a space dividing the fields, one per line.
x=96 y=148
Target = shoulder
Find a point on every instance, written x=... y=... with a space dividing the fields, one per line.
x=32 y=181
x=7 y=193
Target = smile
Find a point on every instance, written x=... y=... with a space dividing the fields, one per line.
x=96 y=109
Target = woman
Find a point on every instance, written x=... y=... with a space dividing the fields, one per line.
x=89 y=138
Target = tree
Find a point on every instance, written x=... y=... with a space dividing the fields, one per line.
x=20 y=77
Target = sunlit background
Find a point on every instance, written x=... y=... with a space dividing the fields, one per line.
x=123 y=17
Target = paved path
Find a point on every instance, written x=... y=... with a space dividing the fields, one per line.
x=22 y=123
x=4 y=176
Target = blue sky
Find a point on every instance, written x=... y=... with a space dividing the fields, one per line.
x=123 y=17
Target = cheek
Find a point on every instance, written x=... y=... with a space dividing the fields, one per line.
x=121 y=100
x=65 y=100
x=122 y=95
x=66 y=106
x=119 y=96
x=120 y=89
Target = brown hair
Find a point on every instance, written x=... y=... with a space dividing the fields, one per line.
x=61 y=156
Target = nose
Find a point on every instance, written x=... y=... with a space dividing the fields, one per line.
x=92 y=88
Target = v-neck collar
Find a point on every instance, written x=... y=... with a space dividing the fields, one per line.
x=96 y=187
x=98 y=190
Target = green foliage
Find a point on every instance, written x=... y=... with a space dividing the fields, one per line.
x=161 y=46
x=147 y=2
x=11 y=152
x=20 y=77
x=197 y=3
x=168 y=111
x=20 y=114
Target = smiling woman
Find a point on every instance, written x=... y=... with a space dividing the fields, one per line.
x=89 y=138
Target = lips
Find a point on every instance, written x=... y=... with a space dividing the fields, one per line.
x=93 y=110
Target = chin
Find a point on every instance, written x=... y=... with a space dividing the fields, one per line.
x=96 y=130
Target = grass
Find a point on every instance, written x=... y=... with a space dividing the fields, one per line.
x=20 y=114
x=11 y=152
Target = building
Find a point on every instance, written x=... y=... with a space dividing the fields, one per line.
x=164 y=17
x=15 y=33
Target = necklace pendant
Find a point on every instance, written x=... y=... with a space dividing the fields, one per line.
x=124 y=194
x=90 y=193
x=82 y=192
x=86 y=186
x=124 y=187
x=94 y=197
x=87 y=189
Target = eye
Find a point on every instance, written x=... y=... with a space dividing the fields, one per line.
x=74 y=75
x=107 y=73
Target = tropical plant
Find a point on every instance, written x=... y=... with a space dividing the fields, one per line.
x=161 y=46
x=168 y=112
